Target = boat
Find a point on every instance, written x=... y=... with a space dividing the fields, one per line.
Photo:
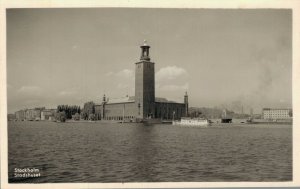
x=250 y=121
x=187 y=121
x=225 y=118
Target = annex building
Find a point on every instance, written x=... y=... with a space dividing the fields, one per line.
x=277 y=113
x=144 y=105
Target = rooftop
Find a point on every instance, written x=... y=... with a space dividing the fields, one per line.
x=126 y=99
x=164 y=100
x=130 y=99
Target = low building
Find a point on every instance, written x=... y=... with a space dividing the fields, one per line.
x=116 y=109
x=126 y=108
x=20 y=115
x=277 y=113
x=48 y=114
x=33 y=114
x=11 y=117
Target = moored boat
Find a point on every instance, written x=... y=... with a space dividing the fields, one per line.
x=187 y=121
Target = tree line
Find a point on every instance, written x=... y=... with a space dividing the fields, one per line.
x=68 y=110
x=65 y=112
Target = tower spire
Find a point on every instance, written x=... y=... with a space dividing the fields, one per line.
x=104 y=98
x=186 y=103
x=145 y=51
x=145 y=42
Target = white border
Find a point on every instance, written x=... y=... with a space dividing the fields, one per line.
x=244 y=4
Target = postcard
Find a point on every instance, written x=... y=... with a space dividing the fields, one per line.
x=144 y=94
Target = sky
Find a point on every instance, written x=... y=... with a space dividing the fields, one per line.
x=238 y=59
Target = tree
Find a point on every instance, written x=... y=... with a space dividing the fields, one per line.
x=76 y=117
x=92 y=117
x=69 y=110
x=88 y=108
x=60 y=116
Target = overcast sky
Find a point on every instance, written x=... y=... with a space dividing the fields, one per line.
x=228 y=58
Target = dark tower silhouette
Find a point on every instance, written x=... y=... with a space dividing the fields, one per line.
x=145 y=84
x=103 y=107
x=104 y=98
x=186 y=102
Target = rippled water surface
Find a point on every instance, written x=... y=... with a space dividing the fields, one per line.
x=98 y=152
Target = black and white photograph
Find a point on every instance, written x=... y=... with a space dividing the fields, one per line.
x=149 y=95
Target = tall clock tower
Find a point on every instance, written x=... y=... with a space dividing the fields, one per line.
x=145 y=84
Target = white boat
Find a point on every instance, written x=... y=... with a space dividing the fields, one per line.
x=187 y=121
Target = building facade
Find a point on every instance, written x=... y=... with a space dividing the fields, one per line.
x=277 y=114
x=48 y=114
x=11 y=117
x=33 y=114
x=20 y=115
x=144 y=105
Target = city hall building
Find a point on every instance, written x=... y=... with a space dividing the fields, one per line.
x=144 y=105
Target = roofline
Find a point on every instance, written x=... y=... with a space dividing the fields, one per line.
x=120 y=102
x=144 y=61
x=277 y=109
x=171 y=102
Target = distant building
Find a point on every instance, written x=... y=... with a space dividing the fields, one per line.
x=20 y=115
x=48 y=114
x=11 y=117
x=256 y=116
x=144 y=104
x=33 y=114
x=277 y=114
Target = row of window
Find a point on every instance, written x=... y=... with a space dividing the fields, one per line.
x=276 y=117
x=118 y=117
x=277 y=114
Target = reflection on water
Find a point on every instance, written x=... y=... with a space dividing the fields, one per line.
x=98 y=152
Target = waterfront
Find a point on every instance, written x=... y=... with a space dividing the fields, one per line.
x=98 y=152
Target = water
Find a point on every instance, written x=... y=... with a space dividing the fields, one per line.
x=98 y=152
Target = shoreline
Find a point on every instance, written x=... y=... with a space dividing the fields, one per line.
x=214 y=123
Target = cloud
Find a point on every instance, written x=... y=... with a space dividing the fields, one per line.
x=126 y=73
x=68 y=92
x=30 y=102
x=170 y=73
x=123 y=79
x=30 y=90
x=122 y=86
x=74 y=47
x=109 y=74
x=174 y=87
